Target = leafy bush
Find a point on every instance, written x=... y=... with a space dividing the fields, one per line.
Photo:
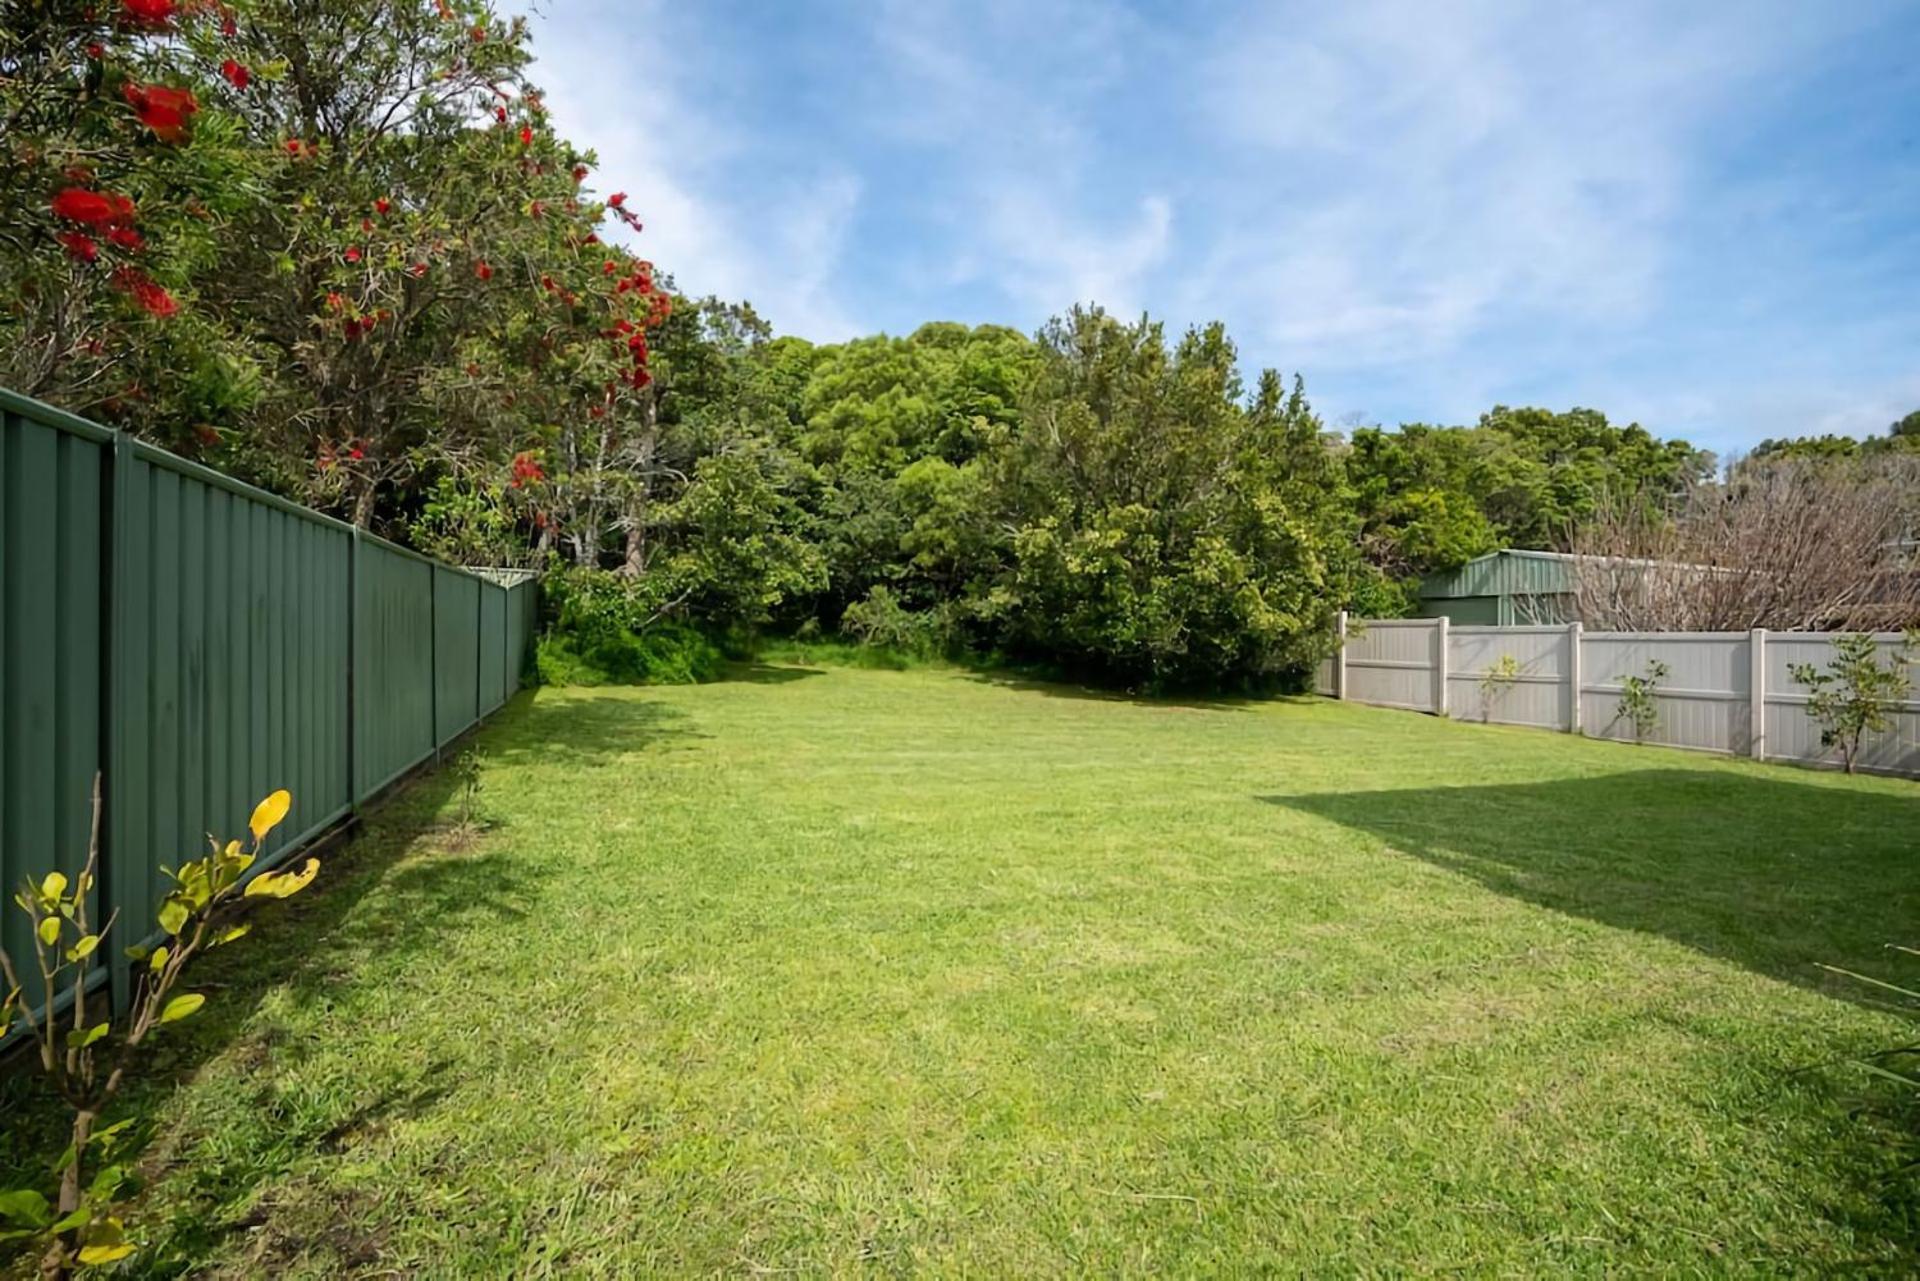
x=87 y=1062
x=1854 y=695
x=1497 y=682
x=882 y=621
x=1637 y=705
x=606 y=629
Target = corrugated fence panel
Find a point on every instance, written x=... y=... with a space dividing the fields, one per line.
x=1795 y=736
x=456 y=652
x=1702 y=701
x=1391 y=663
x=200 y=643
x=393 y=664
x=1537 y=695
x=50 y=662
x=493 y=646
x=231 y=671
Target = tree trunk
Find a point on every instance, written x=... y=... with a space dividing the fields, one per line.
x=54 y=1262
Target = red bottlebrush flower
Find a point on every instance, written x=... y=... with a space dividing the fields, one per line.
x=295 y=147
x=526 y=470
x=446 y=10
x=526 y=135
x=479 y=34
x=500 y=114
x=149 y=13
x=335 y=302
x=352 y=254
x=546 y=283
x=350 y=329
x=617 y=199
x=366 y=225
x=206 y=435
x=482 y=270
x=593 y=238
x=537 y=209
x=161 y=109
x=382 y=206
x=75 y=204
x=236 y=75
x=608 y=267
x=356 y=453
x=145 y=291
x=417 y=270
x=228 y=26
x=127 y=238
x=640 y=379
x=96 y=51
x=79 y=245
x=579 y=174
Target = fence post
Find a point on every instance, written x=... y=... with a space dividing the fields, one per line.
x=1340 y=657
x=1757 y=690
x=1440 y=666
x=1573 y=677
x=433 y=655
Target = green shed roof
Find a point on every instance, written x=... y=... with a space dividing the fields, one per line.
x=1509 y=572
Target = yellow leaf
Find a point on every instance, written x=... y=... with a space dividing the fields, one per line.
x=268 y=813
x=229 y=934
x=181 y=1006
x=84 y=948
x=159 y=961
x=95 y=1255
x=50 y=930
x=54 y=886
x=283 y=884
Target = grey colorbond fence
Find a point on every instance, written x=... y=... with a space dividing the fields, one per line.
x=1725 y=692
x=199 y=643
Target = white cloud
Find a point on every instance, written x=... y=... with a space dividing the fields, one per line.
x=619 y=82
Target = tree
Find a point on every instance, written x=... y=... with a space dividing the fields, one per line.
x=1791 y=544
x=1164 y=530
x=1854 y=695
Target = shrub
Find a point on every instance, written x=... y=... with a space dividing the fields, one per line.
x=1637 y=705
x=605 y=629
x=87 y=1062
x=1854 y=696
x=1497 y=682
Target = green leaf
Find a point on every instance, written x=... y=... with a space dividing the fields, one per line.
x=25 y=1206
x=229 y=934
x=181 y=1006
x=137 y=952
x=50 y=930
x=78 y=1219
x=81 y=1040
x=173 y=915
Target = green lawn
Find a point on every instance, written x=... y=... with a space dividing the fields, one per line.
x=834 y=971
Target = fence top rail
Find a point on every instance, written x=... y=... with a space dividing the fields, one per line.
x=1653 y=638
x=61 y=420
x=1393 y=622
x=1522 y=629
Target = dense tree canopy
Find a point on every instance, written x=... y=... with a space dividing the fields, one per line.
x=338 y=249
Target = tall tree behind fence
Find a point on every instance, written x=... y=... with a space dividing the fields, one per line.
x=199 y=642
x=1725 y=692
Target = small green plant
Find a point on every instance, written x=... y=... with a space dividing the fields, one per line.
x=468 y=770
x=1497 y=682
x=83 y=1056
x=1854 y=695
x=1638 y=706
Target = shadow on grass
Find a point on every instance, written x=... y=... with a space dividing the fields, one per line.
x=1774 y=874
x=761 y=673
x=301 y=952
x=1062 y=688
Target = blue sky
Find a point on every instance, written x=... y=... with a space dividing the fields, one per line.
x=1705 y=217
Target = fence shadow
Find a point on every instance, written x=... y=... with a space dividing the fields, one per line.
x=1774 y=874
x=397 y=884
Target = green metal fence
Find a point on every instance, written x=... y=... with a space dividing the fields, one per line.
x=199 y=642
